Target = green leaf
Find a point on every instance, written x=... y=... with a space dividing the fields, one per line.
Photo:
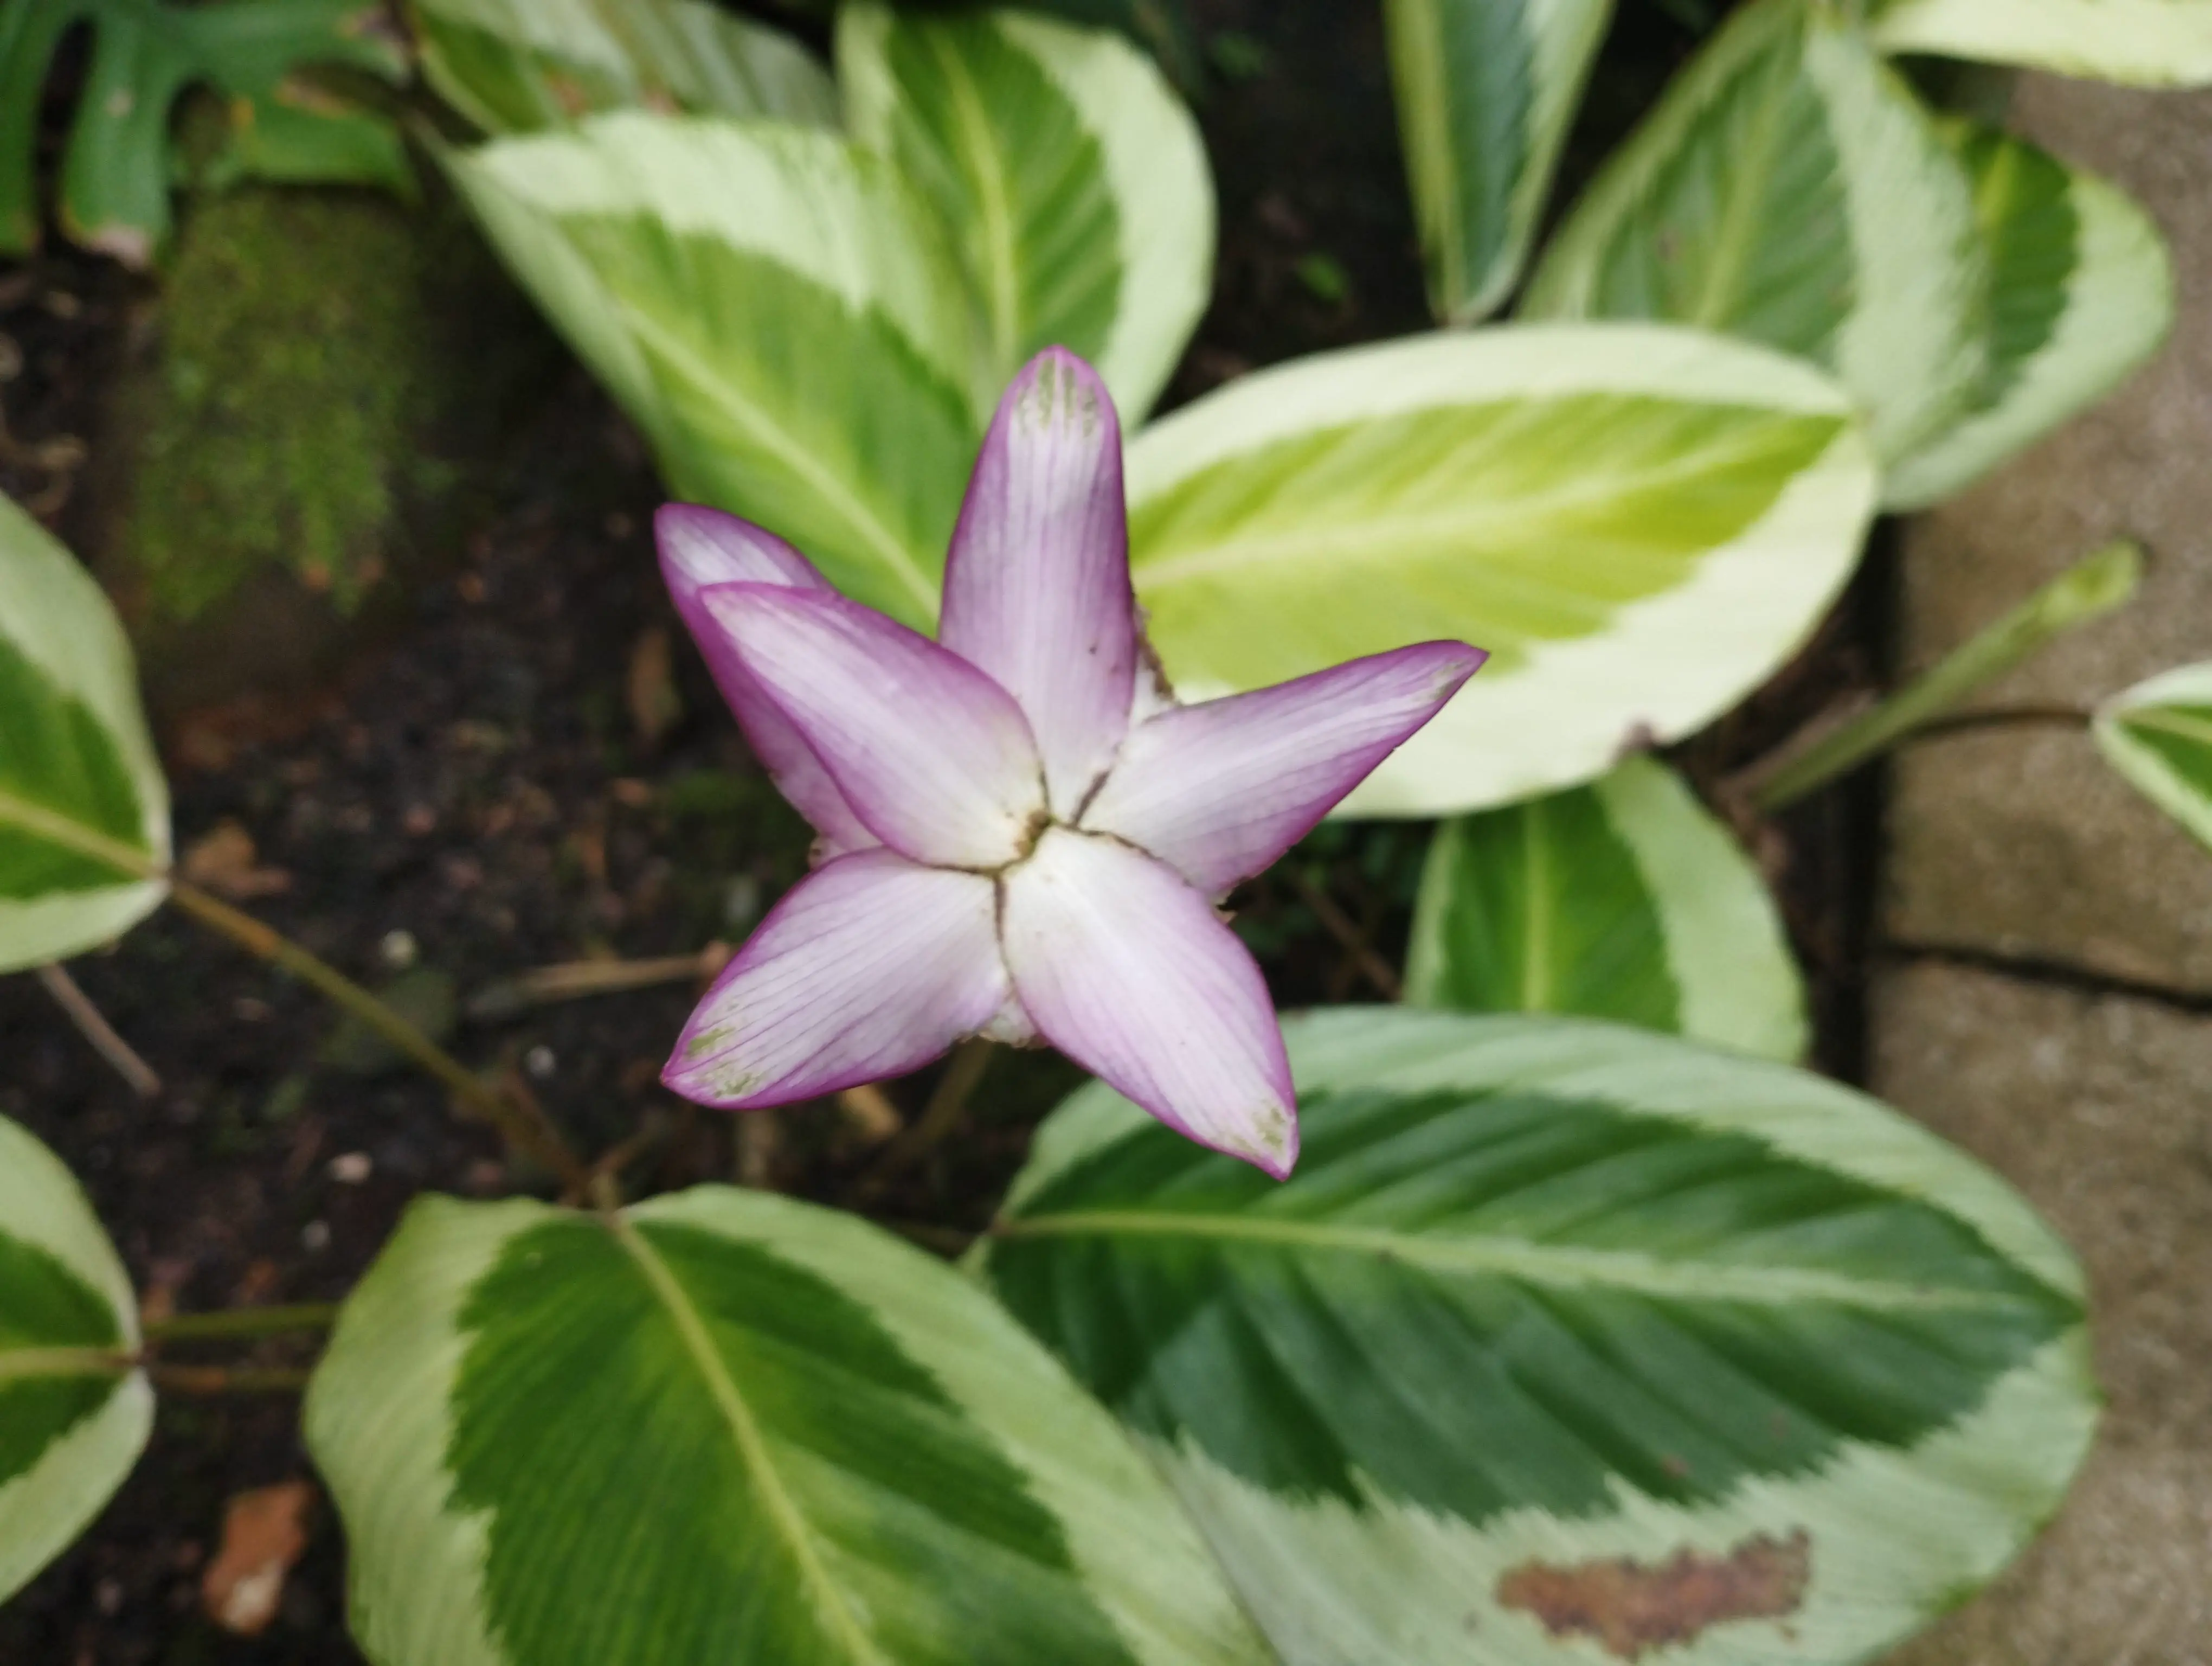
x=1573 y=1340
x=1638 y=522
x=2158 y=735
x=1623 y=899
x=1486 y=90
x=1069 y=178
x=82 y=804
x=145 y=54
x=1789 y=189
x=2081 y=292
x=724 y=1426
x=74 y=1414
x=772 y=309
x=2144 y=43
x=516 y=66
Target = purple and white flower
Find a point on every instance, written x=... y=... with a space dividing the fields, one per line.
x=1023 y=835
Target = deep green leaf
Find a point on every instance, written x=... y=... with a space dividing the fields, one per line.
x=727 y=1427
x=1624 y=900
x=2158 y=735
x=147 y=53
x=2081 y=292
x=1791 y=190
x=2145 y=42
x=74 y=1414
x=516 y=66
x=1486 y=90
x=1552 y=1307
x=1068 y=179
x=83 y=808
x=1639 y=523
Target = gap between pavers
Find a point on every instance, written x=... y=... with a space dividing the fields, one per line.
x=2017 y=845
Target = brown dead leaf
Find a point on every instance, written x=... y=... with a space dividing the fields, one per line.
x=222 y=861
x=263 y=1534
x=1632 y=1607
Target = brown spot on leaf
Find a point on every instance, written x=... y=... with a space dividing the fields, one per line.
x=1632 y=1607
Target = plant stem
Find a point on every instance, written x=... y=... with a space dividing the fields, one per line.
x=1353 y=941
x=516 y=1116
x=938 y=1117
x=241 y=1322
x=225 y=1379
x=2090 y=589
x=94 y=1027
x=522 y=1130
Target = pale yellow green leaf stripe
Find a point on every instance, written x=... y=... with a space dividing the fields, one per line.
x=1639 y=523
x=74 y=1413
x=1500 y=1350
x=2144 y=43
x=728 y=1426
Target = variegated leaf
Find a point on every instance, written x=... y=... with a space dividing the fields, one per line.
x=723 y=1427
x=75 y=1412
x=1623 y=899
x=1566 y=1342
x=1486 y=90
x=515 y=66
x=1066 y=175
x=771 y=307
x=1790 y=189
x=1638 y=522
x=84 y=813
x=2145 y=42
x=2081 y=292
x=2158 y=735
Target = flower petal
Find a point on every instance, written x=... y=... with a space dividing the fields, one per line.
x=1129 y=972
x=700 y=547
x=869 y=967
x=1036 y=585
x=933 y=757
x=1219 y=790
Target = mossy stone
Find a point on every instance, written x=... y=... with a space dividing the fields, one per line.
x=325 y=388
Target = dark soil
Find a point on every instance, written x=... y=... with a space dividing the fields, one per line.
x=479 y=797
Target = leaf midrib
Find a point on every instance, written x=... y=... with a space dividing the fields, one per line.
x=771 y=436
x=2163 y=721
x=790 y=1523
x=1554 y=1266
x=993 y=199
x=75 y=837
x=1738 y=231
x=26 y=1363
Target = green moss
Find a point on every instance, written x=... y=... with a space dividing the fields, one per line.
x=309 y=346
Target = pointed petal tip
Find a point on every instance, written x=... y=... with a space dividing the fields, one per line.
x=701 y=546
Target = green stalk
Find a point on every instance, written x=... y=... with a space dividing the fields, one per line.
x=241 y=1322
x=2088 y=590
x=522 y=1125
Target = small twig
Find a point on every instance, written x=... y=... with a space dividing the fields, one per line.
x=1339 y=925
x=226 y=1379
x=2003 y=717
x=572 y=980
x=870 y=1111
x=610 y=1163
x=241 y=1322
x=938 y=1118
x=95 y=1029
